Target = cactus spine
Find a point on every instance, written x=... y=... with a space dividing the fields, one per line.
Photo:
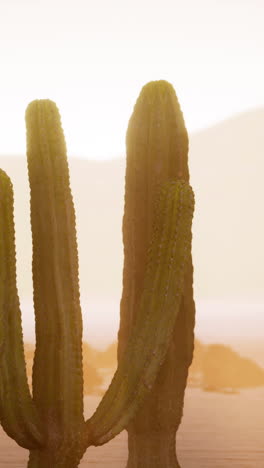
x=50 y=423
x=157 y=151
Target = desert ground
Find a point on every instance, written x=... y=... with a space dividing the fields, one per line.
x=217 y=431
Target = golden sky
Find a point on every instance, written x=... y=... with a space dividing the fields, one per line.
x=93 y=56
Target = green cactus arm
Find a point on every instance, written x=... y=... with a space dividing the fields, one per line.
x=160 y=301
x=18 y=414
x=57 y=369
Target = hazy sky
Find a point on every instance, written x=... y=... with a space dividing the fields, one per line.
x=93 y=57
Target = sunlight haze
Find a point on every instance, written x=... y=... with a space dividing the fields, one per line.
x=92 y=58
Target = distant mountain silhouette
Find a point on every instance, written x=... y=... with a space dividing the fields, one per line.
x=227 y=166
x=227 y=163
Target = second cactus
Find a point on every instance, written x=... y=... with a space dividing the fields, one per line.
x=157 y=151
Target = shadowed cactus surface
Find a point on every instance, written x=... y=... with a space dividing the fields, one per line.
x=157 y=151
x=50 y=423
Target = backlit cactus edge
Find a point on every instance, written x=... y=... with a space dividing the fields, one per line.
x=157 y=308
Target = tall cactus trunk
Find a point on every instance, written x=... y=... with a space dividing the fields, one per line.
x=157 y=150
x=57 y=369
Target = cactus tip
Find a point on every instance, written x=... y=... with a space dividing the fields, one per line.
x=39 y=104
x=158 y=88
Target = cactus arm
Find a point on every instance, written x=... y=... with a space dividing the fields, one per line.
x=18 y=413
x=57 y=369
x=150 y=337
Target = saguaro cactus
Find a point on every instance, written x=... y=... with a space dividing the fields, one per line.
x=157 y=151
x=50 y=423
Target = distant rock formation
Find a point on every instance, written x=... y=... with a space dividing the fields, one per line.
x=217 y=367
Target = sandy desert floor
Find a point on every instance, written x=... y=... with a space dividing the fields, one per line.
x=217 y=431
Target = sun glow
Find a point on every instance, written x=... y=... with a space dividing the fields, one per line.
x=93 y=62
